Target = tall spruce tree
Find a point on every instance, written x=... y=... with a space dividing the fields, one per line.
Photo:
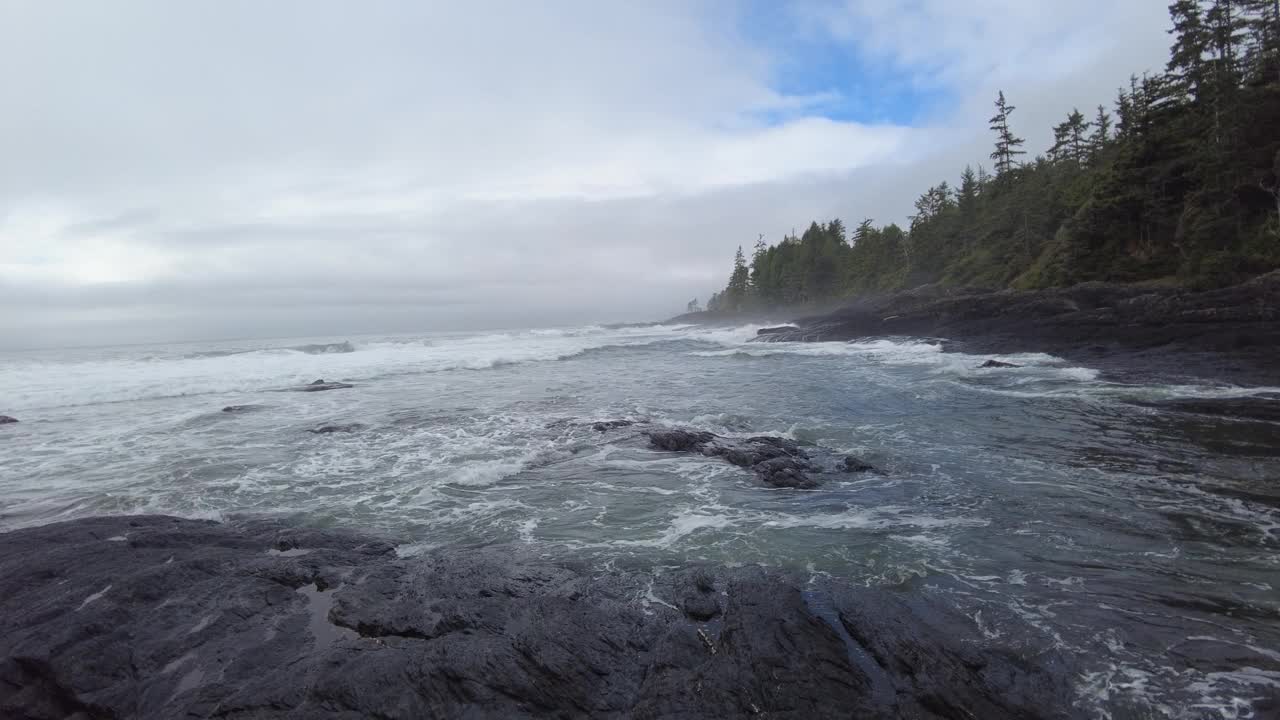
x=1008 y=145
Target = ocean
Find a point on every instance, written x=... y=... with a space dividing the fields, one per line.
x=1141 y=539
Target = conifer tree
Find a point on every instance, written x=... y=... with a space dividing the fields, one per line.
x=1101 y=131
x=1008 y=145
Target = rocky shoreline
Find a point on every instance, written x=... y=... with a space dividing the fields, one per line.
x=161 y=617
x=1229 y=334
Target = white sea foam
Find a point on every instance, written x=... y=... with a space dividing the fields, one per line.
x=116 y=375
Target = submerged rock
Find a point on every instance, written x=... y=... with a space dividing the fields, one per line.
x=854 y=464
x=321 y=384
x=157 y=617
x=5 y=419
x=607 y=425
x=327 y=429
x=241 y=408
x=997 y=364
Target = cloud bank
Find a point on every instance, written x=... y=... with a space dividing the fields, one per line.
x=229 y=169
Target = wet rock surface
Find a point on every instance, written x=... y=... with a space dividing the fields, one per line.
x=607 y=425
x=998 y=364
x=854 y=464
x=159 y=617
x=777 y=461
x=1231 y=332
x=6 y=420
x=330 y=428
x=321 y=385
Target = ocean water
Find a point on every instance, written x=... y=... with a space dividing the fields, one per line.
x=1144 y=543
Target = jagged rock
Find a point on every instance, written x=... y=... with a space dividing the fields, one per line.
x=679 y=439
x=321 y=384
x=785 y=472
x=154 y=617
x=997 y=364
x=854 y=464
x=778 y=462
x=5 y=419
x=327 y=429
x=776 y=330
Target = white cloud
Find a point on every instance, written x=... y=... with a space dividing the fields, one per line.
x=196 y=168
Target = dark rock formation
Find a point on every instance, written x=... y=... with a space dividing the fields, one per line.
x=321 y=384
x=157 y=617
x=336 y=428
x=778 y=462
x=606 y=425
x=1228 y=332
x=679 y=439
x=786 y=472
x=997 y=364
x=854 y=464
x=5 y=420
x=776 y=330
x=1264 y=407
x=241 y=408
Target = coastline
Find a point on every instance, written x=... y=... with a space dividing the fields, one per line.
x=159 y=617
x=1128 y=331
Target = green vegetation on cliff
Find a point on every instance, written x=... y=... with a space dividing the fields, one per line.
x=1182 y=183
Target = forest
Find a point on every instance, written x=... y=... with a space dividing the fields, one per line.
x=1176 y=182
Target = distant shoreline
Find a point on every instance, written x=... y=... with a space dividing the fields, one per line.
x=1229 y=334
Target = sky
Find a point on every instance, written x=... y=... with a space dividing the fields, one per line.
x=233 y=168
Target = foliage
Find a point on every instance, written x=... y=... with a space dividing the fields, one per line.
x=1183 y=181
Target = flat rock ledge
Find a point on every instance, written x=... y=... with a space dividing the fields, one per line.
x=160 y=617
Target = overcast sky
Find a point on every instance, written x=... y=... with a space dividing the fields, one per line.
x=185 y=170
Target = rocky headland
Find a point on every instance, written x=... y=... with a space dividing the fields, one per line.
x=1229 y=333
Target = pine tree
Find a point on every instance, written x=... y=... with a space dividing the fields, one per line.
x=1101 y=132
x=1007 y=144
x=863 y=231
x=1191 y=42
x=739 y=282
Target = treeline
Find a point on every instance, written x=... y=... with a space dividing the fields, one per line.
x=1176 y=181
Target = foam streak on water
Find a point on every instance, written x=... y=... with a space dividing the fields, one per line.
x=1144 y=541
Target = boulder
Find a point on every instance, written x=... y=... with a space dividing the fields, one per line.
x=997 y=364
